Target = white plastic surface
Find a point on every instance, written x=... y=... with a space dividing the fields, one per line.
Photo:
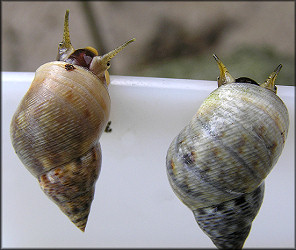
x=134 y=205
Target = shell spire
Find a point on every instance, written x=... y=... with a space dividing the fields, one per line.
x=227 y=231
x=72 y=186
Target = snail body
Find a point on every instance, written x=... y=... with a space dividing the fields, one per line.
x=217 y=164
x=56 y=128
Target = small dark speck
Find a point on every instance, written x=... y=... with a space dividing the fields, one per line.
x=86 y=205
x=75 y=210
x=256 y=192
x=220 y=207
x=201 y=211
x=69 y=67
x=240 y=200
x=189 y=158
x=108 y=129
x=78 y=160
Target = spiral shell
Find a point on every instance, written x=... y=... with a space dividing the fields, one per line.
x=218 y=162
x=56 y=128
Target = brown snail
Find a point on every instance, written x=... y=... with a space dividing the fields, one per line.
x=217 y=164
x=56 y=128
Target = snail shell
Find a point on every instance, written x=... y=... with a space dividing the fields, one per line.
x=56 y=128
x=217 y=164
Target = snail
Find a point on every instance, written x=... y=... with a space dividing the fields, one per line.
x=56 y=128
x=217 y=164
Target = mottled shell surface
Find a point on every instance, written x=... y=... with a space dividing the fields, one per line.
x=56 y=128
x=228 y=224
x=61 y=116
x=241 y=126
x=55 y=133
x=217 y=164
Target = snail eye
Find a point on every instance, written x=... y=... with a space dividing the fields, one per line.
x=81 y=57
x=246 y=80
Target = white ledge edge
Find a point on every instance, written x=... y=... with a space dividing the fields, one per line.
x=154 y=82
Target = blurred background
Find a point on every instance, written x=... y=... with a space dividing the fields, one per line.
x=174 y=39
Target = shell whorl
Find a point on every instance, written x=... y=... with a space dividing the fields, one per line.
x=56 y=128
x=232 y=230
x=218 y=162
x=55 y=133
x=72 y=186
x=60 y=118
x=229 y=146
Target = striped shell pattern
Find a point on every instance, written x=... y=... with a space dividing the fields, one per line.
x=217 y=164
x=56 y=128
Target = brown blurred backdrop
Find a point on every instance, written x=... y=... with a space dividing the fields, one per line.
x=174 y=39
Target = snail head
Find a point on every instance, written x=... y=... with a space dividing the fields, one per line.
x=226 y=78
x=87 y=57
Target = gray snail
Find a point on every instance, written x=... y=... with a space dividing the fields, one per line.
x=217 y=164
x=56 y=128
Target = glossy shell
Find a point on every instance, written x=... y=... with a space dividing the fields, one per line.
x=61 y=116
x=56 y=128
x=217 y=164
x=229 y=146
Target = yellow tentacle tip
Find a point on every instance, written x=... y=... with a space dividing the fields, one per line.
x=270 y=81
x=132 y=40
x=225 y=76
x=66 y=36
x=65 y=47
x=100 y=64
x=114 y=52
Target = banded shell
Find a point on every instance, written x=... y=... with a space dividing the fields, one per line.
x=217 y=164
x=56 y=128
